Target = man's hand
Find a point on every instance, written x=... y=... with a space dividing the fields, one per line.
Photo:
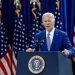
x=65 y=52
x=30 y=50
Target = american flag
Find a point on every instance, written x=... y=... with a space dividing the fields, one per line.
x=5 y=57
x=19 y=36
x=74 y=43
x=58 y=21
x=19 y=33
x=36 y=25
x=74 y=38
x=5 y=51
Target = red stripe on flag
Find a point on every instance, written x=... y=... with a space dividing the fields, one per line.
x=12 y=73
x=9 y=51
x=74 y=38
x=14 y=64
x=74 y=45
x=74 y=33
x=3 y=68
x=5 y=63
x=8 y=61
x=13 y=61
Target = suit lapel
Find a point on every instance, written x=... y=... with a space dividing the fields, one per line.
x=45 y=43
x=54 y=40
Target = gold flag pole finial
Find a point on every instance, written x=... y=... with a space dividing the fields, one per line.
x=39 y=5
x=33 y=11
x=34 y=8
x=18 y=7
x=58 y=4
x=74 y=58
x=0 y=13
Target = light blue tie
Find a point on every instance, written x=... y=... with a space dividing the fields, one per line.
x=48 y=41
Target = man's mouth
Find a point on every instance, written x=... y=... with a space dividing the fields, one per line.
x=47 y=26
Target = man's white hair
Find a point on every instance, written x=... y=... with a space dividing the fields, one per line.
x=48 y=13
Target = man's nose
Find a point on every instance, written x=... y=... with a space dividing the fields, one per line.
x=48 y=22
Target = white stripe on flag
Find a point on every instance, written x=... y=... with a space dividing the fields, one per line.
x=14 y=64
x=74 y=38
x=6 y=66
x=1 y=72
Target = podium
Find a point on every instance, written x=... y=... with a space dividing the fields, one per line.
x=55 y=63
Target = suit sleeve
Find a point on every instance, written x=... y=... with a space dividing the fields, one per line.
x=36 y=43
x=68 y=45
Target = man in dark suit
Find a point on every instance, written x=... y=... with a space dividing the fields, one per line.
x=51 y=39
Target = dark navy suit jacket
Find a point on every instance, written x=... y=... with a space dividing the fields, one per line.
x=59 y=43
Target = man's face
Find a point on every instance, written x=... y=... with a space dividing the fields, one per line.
x=48 y=22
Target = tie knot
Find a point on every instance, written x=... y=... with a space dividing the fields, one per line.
x=48 y=34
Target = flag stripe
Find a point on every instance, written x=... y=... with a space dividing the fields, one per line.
x=7 y=61
x=1 y=72
x=13 y=60
x=13 y=64
x=74 y=40
x=74 y=43
x=13 y=70
x=12 y=73
x=74 y=33
x=6 y=66
x=9 y=51
x=3 y=68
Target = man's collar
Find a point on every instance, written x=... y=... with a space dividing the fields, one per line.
x=51 y=32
